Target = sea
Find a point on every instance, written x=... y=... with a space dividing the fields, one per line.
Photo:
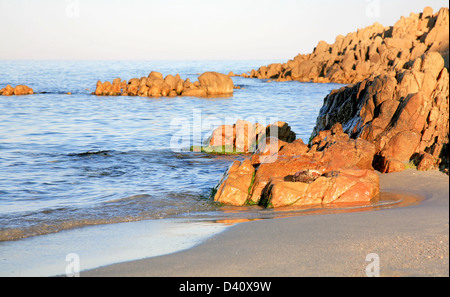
x=108 y=179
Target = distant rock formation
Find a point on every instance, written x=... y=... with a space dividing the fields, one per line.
x=367 y=52
x=405 y=113
x=18 y=90
x=155 y=85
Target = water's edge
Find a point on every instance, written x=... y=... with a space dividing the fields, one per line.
x=91 y=247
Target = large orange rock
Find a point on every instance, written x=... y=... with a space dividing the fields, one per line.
x=346 y=186
x=339 y=170
x=235 y=185
x=216 y=83
x=22 y=90
x=246 y=137
x=18 y=90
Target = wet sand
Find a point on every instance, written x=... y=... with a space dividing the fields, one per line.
x=409 y=241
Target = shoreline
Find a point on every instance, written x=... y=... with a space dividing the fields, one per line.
x=410 y=241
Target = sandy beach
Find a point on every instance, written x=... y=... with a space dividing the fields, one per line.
x=409 y=241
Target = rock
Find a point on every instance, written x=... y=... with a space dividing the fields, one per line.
x=387 y=164
x=234 y=188
x=282 y=131
x=245 y=137
x=297 y=174
x=155 y=85
x=346 y=186
x=360 y=54
x=162 y=86
x=403 y=145
x=99 y=89
x=154 y=91
x=222 y=136
x=394 y=112
x=401 y=113
x=116 y=88
x=22 y=90
x=194 y=93
x=143 y=90
x=267 y=151
x=216 y=83
x=179 y=87
x=432 y=63
x=17 y=91
x=306 y=176
x=288 y=194
x=295 y=149
x=132 y=88
x=7 y=91
x=155 y=75
x=171 y=81
x=348 y=154
x=426 y=161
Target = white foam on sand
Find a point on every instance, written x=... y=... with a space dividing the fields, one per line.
x=96 y=246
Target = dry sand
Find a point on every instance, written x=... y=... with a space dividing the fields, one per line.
x=409 y=241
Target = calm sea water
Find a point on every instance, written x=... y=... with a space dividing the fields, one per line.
x=69 y=161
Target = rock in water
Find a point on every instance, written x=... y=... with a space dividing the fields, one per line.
x=244 y=137
x=18 y=90
x=216 y=83
x=155 y=85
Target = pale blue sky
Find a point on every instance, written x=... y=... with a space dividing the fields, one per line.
x=185 y=30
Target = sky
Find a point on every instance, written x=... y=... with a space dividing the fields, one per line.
x=185 y=30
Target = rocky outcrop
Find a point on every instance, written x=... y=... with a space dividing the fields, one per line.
x=18 y=90
x=404 y=113
x=367 y=52
x=383 y=123
x=155 y=85
x=332 y=170
x=396 y=113
x=245 y=137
